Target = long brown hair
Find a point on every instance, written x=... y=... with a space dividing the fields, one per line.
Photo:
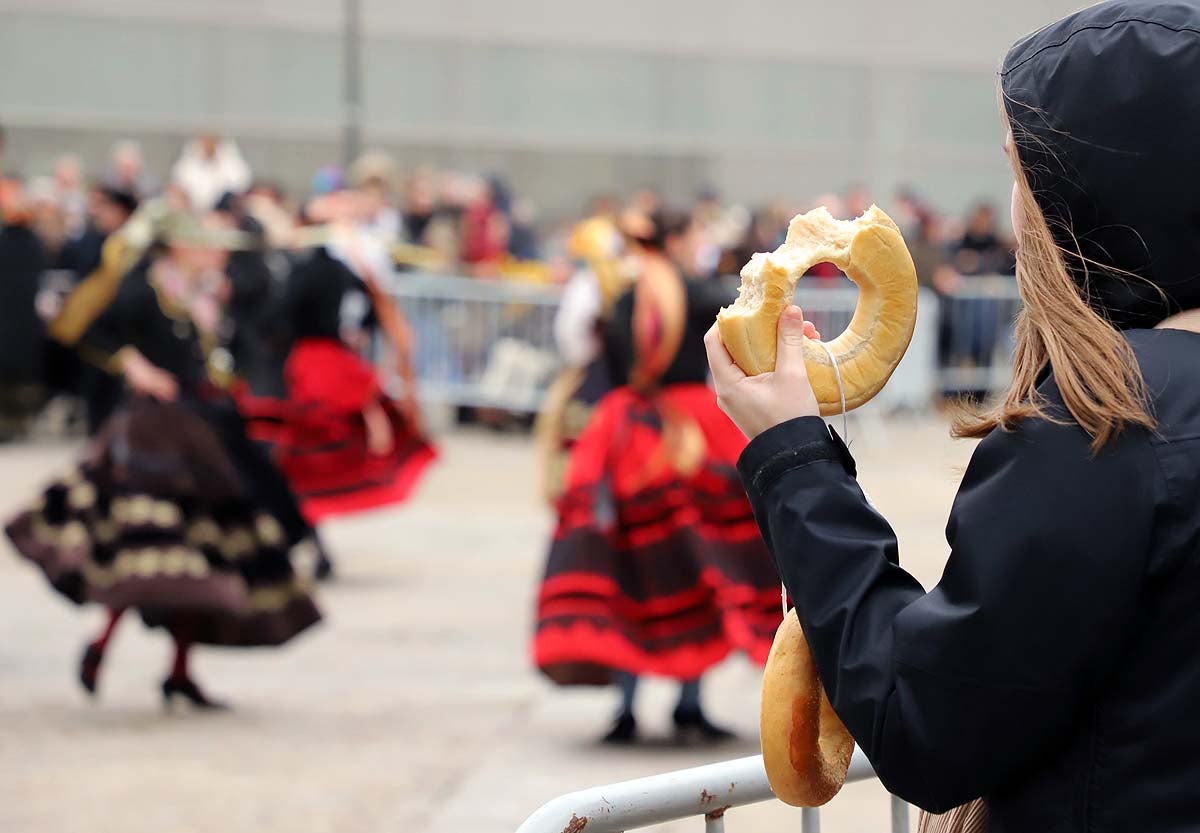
x=1093 y=364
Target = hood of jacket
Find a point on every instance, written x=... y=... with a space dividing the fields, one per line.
x=1104 y=107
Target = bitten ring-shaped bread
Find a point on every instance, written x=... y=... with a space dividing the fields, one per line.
x=806 y=749
x=871 y=252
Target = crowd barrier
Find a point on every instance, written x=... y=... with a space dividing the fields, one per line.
x=490 y=344
x=481 y=343
x=709 y=791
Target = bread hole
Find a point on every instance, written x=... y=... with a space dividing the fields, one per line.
x=828 y=299
x=826 y=275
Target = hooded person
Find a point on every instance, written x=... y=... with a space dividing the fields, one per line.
x=1051 y=675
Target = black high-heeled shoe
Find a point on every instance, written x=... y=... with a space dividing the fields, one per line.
x=692 y=726
x=624 y=731
x=89 y=668
x=173 y=687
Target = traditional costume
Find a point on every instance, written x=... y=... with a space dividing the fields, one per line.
x=321 y=433
x=173 y=511
x=656 y=565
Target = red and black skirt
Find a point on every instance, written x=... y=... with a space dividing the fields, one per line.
x=566 y=412
x=319 y=434
x=159 y=518
x=657 y=565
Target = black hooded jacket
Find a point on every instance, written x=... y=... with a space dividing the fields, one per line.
x=1054 y=670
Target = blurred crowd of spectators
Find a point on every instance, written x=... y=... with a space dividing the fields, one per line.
x=54 y=224
x=721 y=237
x=476 y=225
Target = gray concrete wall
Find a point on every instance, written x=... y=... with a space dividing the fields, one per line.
x=759 y=98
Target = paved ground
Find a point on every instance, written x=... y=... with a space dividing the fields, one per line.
x=412 y=709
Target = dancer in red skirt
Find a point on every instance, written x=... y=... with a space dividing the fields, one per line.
x=656 y=566
x=343 y=443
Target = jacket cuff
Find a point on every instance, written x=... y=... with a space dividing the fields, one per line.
x=788 y=446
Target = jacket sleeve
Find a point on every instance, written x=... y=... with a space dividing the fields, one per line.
x=954 y=693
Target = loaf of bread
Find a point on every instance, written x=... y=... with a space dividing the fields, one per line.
x=871 y=251
x=806 y=749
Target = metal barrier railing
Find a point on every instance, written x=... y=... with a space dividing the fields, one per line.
x=975 y=335
x=709 y=791
x=488 y=343
x=481 y=343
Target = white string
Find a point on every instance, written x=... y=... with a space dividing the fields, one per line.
x=837 y=373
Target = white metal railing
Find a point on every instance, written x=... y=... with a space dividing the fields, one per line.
x=975 y=335
x=490 y=343
x=709 y=791
x=483 y=343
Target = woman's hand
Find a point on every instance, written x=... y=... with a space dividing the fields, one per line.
x=756 y=403
x=147 y=379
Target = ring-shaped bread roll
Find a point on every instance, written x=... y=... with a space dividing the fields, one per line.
x=871 y=251
x=806 y=749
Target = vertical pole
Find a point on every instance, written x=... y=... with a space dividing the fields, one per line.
x=714 y=823
x=899 y=815
x=810 y=820
x=352 y=76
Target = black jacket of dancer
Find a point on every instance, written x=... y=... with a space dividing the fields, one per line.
x=704 y=299
x=323 y=298
x=1053 y=670
x=140 y=317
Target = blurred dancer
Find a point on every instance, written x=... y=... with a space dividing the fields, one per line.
x=173 y=511
x=343 y=443
x=656 y=566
